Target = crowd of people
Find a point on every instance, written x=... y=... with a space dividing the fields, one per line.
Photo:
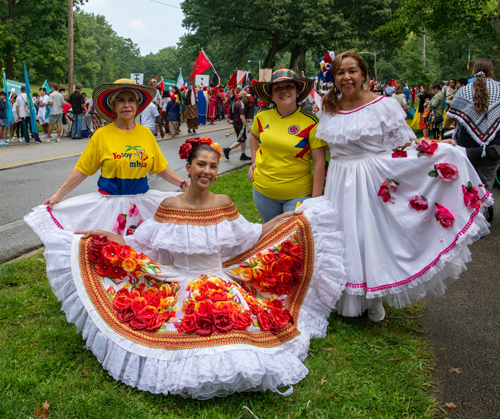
x=73 y=116
x=179 y=294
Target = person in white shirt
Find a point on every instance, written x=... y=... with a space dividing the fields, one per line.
x=24 y=116
x=43 y=111
x=149 y=117
x=56 y=102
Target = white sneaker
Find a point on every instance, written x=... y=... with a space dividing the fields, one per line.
x=20 y=140
x=376 y=312
x=57 y=140
x=2 y=142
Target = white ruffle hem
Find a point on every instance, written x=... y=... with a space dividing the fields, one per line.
x=202 y=373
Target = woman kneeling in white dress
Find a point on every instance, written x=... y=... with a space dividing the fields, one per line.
x=232 y=306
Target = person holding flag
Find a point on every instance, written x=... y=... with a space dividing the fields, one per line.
x=29 y=111
x=3 y=117
x=9 y=117
x=43 y=110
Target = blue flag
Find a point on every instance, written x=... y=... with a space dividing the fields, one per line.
x=47 y=88
x=31 y=105
x=9 y=114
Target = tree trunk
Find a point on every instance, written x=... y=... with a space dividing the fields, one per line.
x=302 y=62
x=269 y=61
x=294 y=59
x=70 y=47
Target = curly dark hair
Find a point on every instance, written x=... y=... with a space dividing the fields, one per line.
x=481 y=95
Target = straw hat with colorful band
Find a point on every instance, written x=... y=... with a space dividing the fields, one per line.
x=264 y=90
x=105 y=92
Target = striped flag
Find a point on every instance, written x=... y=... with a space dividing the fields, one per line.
x=29 y=99
x=180 y=80
x=9 y=115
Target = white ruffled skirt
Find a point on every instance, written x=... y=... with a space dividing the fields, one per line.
x=120 y=214
x=393 y=251
x=206 y=371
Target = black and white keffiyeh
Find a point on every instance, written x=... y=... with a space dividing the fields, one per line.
x=483 y=127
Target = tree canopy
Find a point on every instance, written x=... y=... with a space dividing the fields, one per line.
x=274 y=32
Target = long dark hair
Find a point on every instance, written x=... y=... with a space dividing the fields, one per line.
x=481 y=95
x=188 y=97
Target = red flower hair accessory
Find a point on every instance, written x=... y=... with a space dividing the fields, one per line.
x=191 y=143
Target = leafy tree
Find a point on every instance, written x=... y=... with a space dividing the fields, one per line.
x=34 y=31
x=101 y=56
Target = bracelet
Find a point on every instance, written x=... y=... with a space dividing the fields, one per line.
x=183 y=183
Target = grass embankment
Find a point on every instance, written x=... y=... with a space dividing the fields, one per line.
x=360 y=370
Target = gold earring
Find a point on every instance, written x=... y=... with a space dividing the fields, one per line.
x=215 y=180
x=189 y=175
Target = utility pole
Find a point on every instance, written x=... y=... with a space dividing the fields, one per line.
x=423 y=48
x=70 y=47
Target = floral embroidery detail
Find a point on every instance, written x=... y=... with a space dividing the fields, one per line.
x=427 y=148
x=444 y=216
x=418 y=203
x=399 y=152
x=214 y=305
x=471 y=196
x=446 y=171
x=388 y=186
x=276 y=270
x=132 y=228
x=121 y=223
x=142 y=306
x=133 y=210
x=147 y=308
x=269 y=312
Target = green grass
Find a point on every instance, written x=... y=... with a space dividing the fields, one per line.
x=360 y=370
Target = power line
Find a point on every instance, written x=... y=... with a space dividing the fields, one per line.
x=166 y=4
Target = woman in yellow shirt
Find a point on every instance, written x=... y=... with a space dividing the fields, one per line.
x=283 y=143
x=124 y=152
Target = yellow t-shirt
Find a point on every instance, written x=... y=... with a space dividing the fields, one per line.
x=124 y=157
x=283 y=163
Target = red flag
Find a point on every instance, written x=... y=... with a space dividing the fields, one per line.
x=202 y=63
x=232 y=81
x=281 y=67
x=161 y=85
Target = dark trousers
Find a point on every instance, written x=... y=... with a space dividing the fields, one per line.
x=486 y=167
x=26 y=131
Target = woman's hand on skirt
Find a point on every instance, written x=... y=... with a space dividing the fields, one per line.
x=111 y=236
x=54 y=199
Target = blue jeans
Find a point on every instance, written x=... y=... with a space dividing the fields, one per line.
x=269 y=208
x=76 y=131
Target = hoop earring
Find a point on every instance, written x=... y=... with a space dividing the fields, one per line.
x=189 y=175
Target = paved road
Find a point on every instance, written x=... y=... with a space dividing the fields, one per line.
x=29 y=173
x=464 y=325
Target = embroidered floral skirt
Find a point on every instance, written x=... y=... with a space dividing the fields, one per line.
x=407 y=220
x=240 y=325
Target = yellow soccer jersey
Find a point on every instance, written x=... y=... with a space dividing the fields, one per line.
x=124 y=157
x=283 y=163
